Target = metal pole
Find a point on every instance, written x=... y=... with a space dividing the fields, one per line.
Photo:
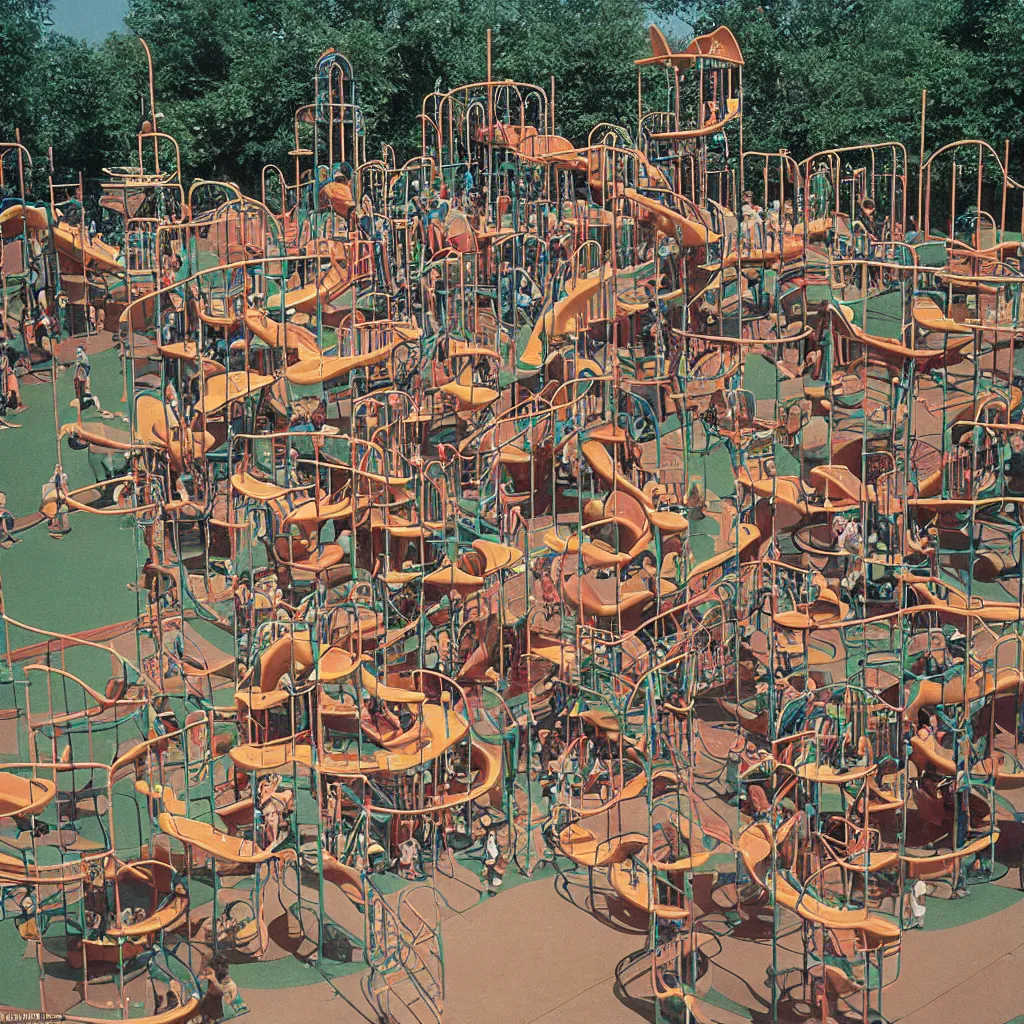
x=920 y=166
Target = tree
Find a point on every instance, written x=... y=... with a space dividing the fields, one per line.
x=230 y=73
x=826 y=73
x=23 y=26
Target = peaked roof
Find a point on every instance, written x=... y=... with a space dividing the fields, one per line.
x=718 y=45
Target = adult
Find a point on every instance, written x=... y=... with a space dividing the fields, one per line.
x=1014 y=466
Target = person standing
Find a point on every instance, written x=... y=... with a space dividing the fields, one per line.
x=918 y=900
x=83 y=384
x=7 y=537
x=10 y=391
x=55 y=490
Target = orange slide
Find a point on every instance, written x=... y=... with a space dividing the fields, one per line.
x=601 y=463
x=346 y=878
x=266 y=328
x=322 y=290
x=584 y=848
x=691 y=233
x=69 y=240
x=375 y=343
x=219 y=845
x=559 y=319
x=20 y=797
x=755 y=845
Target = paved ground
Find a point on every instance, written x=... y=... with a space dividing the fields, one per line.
x=535 y=955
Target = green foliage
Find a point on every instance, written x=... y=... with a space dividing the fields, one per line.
x=22 y=32
x=230 y=73
x=824 y=73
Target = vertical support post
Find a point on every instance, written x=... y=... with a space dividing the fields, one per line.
x=920 y=165
x=490 y=88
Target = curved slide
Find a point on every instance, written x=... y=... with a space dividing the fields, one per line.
x=20 y=797
x=755 y=846
x=299 y=339
x=558 y=320
x=600 y=461
x=69 y=240
x=219 y=845
x=690 y=233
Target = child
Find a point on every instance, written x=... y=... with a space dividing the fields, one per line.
x=918 y=897
x=408 y=854
x=10 y=391
x=232 y=996
x=7 y=537
x=211 y=1006
x=54 y=490
x=83 y=384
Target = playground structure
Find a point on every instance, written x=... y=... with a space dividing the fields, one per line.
x=644 y=513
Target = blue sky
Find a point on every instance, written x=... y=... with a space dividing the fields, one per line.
x=88 y=19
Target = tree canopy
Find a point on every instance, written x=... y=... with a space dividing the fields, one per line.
x=229 y=73
x=823 y=73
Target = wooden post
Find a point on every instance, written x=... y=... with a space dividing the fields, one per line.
x=977 y=203
x=639 y=101
x=1006 y=171
x=920 y=166
x=490 y=90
